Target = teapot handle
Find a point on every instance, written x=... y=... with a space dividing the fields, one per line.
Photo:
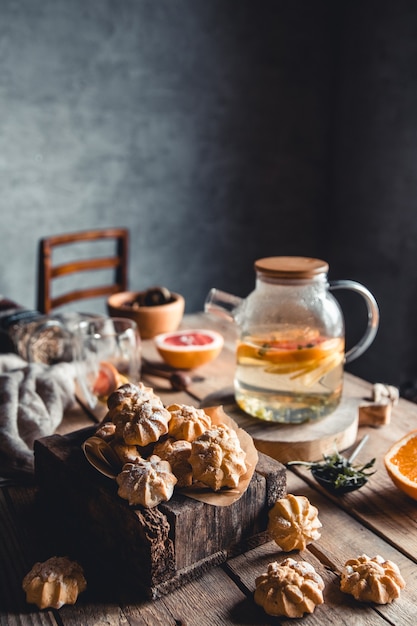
x=373 y=316
x=222 y=304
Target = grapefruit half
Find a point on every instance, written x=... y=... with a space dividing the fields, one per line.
x=187 y=349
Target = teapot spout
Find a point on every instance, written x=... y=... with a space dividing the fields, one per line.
x=222 y=304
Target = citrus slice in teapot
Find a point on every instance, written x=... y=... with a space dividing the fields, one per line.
x=289 y=352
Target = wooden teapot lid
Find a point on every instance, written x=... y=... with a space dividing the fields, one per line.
x=291 y=267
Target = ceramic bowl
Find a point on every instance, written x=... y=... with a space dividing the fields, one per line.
x=151 y=320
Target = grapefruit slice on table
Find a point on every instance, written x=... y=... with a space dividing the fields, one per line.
x=187 y=349
x=400 y=463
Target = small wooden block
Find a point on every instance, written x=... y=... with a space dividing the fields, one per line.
x=295 y=442
x=155 y=550
x=374 y=414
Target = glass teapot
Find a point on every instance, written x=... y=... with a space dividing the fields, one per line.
x=291 y=349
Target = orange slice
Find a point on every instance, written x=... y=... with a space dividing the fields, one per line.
x=187 y=349
x=401 y=464
x=108 y=380
x=288 y=354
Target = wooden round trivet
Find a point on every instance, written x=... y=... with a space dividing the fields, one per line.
x=294 y=442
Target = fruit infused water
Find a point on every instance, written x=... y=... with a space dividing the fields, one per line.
x=290 y=354
x=289 y=375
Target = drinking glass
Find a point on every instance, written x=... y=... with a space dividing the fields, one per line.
x=108 y=355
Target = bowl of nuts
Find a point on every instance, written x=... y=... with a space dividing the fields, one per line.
x=156 y=310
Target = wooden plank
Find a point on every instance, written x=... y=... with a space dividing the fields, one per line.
x=76 y=418
x=212 y=600
x=30 y=618
x=341 y=538
x=382 y=508
x=380 y=505
x=337 y=608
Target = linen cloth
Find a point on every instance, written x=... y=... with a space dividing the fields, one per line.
x=33 y=398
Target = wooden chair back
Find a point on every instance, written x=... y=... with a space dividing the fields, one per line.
x=49 y=272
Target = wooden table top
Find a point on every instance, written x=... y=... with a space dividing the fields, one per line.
x=375 y=520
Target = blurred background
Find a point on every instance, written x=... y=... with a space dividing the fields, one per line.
x=219 y=132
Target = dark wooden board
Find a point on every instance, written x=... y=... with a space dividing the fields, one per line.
x=150 y=550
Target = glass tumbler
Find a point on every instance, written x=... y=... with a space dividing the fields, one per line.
x=108 y=355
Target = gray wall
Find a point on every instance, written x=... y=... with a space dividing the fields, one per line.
x=218 y=131
x=372 y=213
